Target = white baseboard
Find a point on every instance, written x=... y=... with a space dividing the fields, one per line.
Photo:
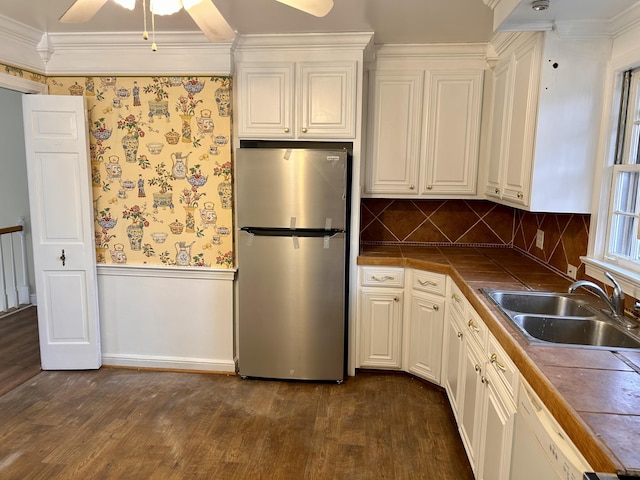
x=168 y=363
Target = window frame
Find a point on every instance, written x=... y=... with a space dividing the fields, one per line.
x=597 y=261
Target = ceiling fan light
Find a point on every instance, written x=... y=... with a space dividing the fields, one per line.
x=318 y=8
x=128 y=4
x=165 y=7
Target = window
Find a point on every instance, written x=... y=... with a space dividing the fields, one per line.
x=623 y=243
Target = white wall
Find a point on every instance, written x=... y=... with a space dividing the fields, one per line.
x=14 y=193
x=169 y=318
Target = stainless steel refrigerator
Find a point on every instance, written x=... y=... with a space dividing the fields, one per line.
x=291 y=209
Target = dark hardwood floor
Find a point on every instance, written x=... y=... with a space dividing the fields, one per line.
x=19 y=348
x=128 y=424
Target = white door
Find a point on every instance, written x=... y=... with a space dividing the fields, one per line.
x=62 y=231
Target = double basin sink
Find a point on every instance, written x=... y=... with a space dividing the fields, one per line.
x=567 y=319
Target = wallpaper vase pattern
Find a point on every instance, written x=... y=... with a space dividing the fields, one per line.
x=155 y=145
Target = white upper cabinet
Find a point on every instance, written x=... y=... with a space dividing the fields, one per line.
x=306 y=101
x=547 y=95
x=423 y=125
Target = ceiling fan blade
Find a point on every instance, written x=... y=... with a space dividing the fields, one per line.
x=318 y=8
x=81 y=11
x=207 y=16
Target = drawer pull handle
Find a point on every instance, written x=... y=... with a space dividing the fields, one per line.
x=381 y=279
x=472 y=325
x=456 y=297
x=424 y=283
x=494 y=360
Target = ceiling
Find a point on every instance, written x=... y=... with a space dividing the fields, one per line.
x=393 y=21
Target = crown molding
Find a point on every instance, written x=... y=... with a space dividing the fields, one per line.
x=625 y=21
x=128 y=54
x=305 y=41
x=18 y=45
x=473 y=55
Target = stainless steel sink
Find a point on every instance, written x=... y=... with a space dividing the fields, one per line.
x=567 y=319
x=575 y=331
x=540 y=303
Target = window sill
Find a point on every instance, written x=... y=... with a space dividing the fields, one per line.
x=628 y=280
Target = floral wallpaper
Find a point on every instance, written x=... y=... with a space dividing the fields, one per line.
x=20 y=72
x=160 y=166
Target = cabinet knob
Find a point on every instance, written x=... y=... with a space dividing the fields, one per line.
x=477 y=368
x=304 y=130
x=460 y=335
x=484 y=380
x=396 y=299
x=497 y=191
x=436 y=308
x=286 y=130
x=429 y=187
x=520 y=195
x=412 y=187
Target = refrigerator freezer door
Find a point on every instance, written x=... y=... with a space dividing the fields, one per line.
x=291 y=188
x=291 y=315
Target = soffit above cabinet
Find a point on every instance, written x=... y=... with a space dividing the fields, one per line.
x=573 y=16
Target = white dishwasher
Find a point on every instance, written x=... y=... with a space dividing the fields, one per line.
x=541 y=448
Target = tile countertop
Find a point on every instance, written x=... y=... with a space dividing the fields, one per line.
x=594 y=394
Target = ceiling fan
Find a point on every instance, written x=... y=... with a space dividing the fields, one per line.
x=203 y=12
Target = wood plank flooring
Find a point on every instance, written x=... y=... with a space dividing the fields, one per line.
x=19 y=348
x=128 y=424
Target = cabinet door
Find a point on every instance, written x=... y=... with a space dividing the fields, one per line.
x=471 y=404
x=496 y=433
x=426 y=323
x=394 y=132
x=265 y=100
x=381 y=327
x=327 y=100
x=452 y=357
x=499 y=129
x=452 y=132
x=519 y=154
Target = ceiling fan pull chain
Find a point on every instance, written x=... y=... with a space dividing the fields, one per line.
x=154 y=47
x=145 y=34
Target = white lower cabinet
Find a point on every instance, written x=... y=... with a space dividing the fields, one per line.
x=424 y=336
x=478 y=379
x=496 y=432
x=447 y=343
x=380 y=317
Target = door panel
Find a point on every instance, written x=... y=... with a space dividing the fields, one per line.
x=62 y=231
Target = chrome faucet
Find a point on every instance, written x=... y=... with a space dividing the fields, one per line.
x=615 y=303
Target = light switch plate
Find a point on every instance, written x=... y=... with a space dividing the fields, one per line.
x=572 y=271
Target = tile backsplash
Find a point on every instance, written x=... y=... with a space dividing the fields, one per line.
x=476 y=222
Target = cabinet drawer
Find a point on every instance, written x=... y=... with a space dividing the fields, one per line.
x=429 y=282
x=382 y=277
x=456 y=298
x=476 y=328
x=503 y=366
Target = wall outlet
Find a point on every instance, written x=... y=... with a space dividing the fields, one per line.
x=540 y=239
x=572 y=271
